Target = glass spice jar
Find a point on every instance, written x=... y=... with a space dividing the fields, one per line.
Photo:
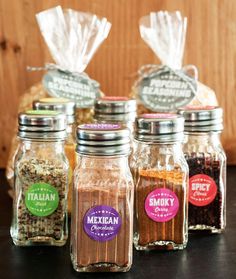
x=102 y=215
x=41 y=180
x=117 y=110
x=67 y=107
x=207 y=168
x=160 y=174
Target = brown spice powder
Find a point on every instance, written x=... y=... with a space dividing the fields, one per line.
x=116 y=251
x=149 y=230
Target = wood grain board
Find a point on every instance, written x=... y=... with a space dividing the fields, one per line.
x=210 y=45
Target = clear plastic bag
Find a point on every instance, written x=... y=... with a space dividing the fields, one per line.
x=72 y=38
x=165 y=33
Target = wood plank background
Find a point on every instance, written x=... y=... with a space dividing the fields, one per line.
x=210 y=45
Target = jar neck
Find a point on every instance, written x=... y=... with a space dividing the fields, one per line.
x=173 y=146
x=158 y=155
x=173 y=149
x=203 y=138
x=45 y=146
x=103 y=162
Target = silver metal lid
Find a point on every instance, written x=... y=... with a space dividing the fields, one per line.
x=159 y=127
x=42 y=124
x=202 y=118
x=115 y=105
x=103 y=139
x=63 y=105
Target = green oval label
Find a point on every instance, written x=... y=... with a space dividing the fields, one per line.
x=41 y=199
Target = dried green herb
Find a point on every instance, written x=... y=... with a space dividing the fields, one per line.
x=30 y=226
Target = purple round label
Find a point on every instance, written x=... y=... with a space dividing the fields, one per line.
x=161 y=205
x=102 y=126
x=102 y=223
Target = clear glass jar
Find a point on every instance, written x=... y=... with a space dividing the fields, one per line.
x=102 y=215
x=160 y=174
x=41 y=181
x=207 y=168
x=67 y=107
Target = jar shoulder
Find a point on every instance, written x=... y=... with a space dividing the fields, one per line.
x=158 y=158
x=209 y=148
x=102 y=177
x=51 y=157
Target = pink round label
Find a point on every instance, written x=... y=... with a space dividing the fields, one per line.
x=161 y=205
x=202 y=190
x=115 y=98
x=159 y=115
x=101 y=126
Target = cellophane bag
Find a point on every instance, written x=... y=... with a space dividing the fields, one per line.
x=72 y=38
x=170 y=85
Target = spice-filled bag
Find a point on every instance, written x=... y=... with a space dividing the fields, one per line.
x=72 y=38
x=168 y=86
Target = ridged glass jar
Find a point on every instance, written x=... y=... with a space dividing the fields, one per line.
x=102 y=215
x=160 y=174
x=67 y=107
x=207 y=168
x=41 y=181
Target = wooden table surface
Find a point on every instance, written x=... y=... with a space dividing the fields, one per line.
x=205 y=256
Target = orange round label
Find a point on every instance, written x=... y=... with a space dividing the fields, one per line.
x=202 y=190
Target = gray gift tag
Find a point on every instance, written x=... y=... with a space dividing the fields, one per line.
x=166 y=89
x=79 y=88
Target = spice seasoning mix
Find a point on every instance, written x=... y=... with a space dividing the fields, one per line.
x=161 y=175
x=41 y=180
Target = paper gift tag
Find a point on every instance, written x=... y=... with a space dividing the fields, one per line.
x=166 y=89
x=79 y=88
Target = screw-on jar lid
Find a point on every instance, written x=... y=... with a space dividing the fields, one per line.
x=159 y=127
x=115 y=105
x=42 y=124
x=202 y=118
x=63 y=105
x=103 y=139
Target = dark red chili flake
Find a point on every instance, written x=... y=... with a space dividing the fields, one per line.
x=210 y=215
